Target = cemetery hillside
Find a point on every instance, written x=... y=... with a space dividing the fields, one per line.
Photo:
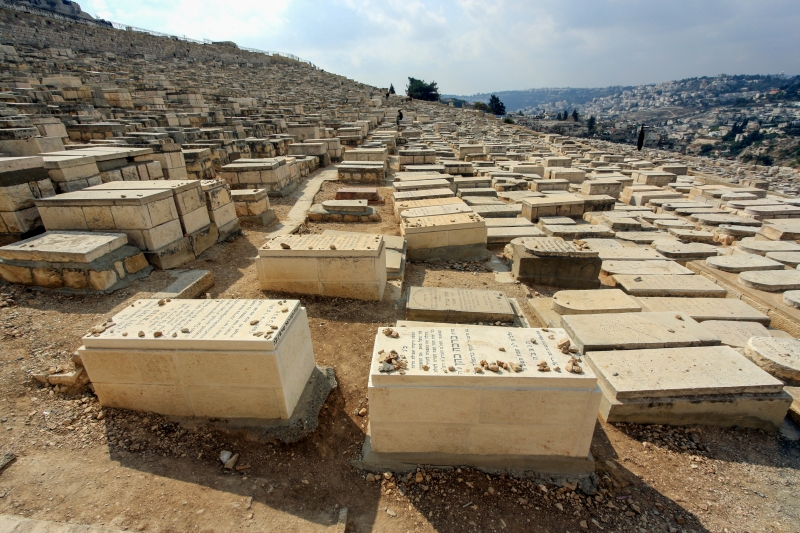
x=239 y=292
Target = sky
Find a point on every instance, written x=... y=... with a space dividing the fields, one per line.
x=476 y=46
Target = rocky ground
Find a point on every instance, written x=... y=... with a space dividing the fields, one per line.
x=77 y=462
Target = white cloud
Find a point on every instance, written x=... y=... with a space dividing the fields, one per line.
x=470 y=46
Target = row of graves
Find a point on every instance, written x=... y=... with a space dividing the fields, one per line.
x=109 y=167
x=665 y=311
x=675 y=299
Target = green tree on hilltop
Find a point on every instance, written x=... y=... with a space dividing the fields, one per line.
x=496 y=106
x=481 y=106
x=391 y=89
x=420 y=90
x=575 y=115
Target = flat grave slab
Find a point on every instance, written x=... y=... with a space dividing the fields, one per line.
x=557 y=247
x=630 y=253
x=713 y=386
x=752 y=246
x=435 y=210
x=208 y=358
x=792 y=299
x=790 y=259
x=669 y=285
x=771 y=280
x=692 y=235
x=632 y=331
x=64 y=247
x=781 y=230
x=498 y=211
x=643 y=268
x=688 y=251
x=503 y=235
x=556 y=221
x=736 y=230
x=743 y=263
x=441 y=367
x=779 y=357
x=702 y=309
x=457 y=305
x=515 y=222
x=712 y=219
x=577 y=302
x=735 y=333
x=577 y=231
x=644 y=237
x=403 y=196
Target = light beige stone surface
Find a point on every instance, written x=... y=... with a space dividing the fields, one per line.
x=735 y=333
x=702 y=309
x=632 y=331
x=669 y=285
x=457 y=305
x=211 y=358
x=581 y=302
x=779 y=357
x=431 y=409
x=64 y=247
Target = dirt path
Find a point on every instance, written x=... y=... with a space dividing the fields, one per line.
x=78 y=463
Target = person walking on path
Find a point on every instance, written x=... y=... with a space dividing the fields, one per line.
x=399 y=117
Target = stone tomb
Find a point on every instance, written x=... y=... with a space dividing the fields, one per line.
x=742 y=263
x=189 y=201
x=73 y=261
x=779 y=357
x=669 y=285
x=208 y=358
x=441 y=410
x=771 y=280
x=149 y=218
x=735 y=333
x=702 y=309
x=343 y=211
x=252 y=205
x=436 y=304
x=400 y=207
x=221 y=208
x=633 y=331
x=714 y=386
x=449 y=237
x=594 y=302
x=555 y=262
x=351 y=265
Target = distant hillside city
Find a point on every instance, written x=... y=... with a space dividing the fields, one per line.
x=750 y=118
